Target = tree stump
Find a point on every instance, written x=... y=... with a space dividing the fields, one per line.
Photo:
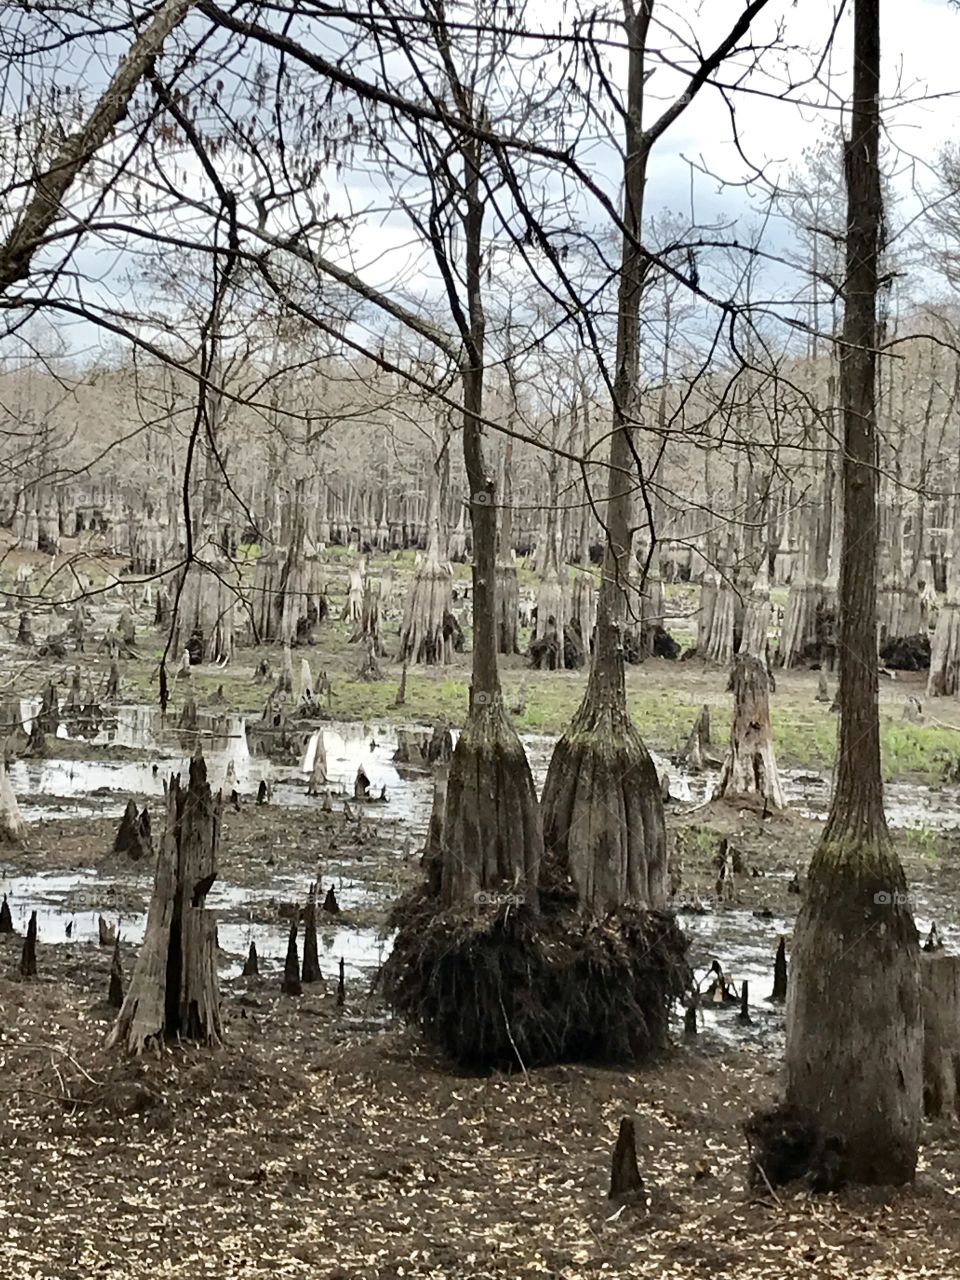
x=175 y=991
x=341 y=986
x=693 y=752
x=6 y=919
x=330 y=904
x=318 y=765
x=28 y=956
x=940 y=976
x=750 y=767
x=133 y=836
x=625 y=1180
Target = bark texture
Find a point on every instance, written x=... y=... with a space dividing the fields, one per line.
x=854 y=1028
x=750 y=767
x=941 y=1035
x=174 y=991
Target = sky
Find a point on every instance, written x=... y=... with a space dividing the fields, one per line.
x=696 y=165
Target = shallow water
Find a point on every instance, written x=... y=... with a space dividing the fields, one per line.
x=745 y=944
x=79 y=899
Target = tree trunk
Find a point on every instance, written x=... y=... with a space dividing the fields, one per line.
x=604 y=827
x=492 y=832
x=750 y=768
x=756 y=618
x=174 y=992
x=854 y=1028
x=430 y=598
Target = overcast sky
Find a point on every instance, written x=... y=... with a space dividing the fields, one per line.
x=920 y=40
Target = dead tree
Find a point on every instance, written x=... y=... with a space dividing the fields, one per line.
x=174 y=991
x=750 y=767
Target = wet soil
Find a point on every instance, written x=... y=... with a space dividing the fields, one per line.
x=325 y=1142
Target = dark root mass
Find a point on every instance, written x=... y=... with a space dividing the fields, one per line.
x=787 y=1146
x=509 y=987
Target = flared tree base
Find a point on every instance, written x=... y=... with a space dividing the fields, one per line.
x=493 y=840
x=854 y=1024
x=603 y=821
x=510 y=989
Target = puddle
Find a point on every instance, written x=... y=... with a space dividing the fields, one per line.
x=79 y=899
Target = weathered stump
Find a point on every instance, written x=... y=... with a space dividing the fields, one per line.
x=6 y=919
x=134 y=837
x=693 y=752
x=940 y=976
x=750 y=767
x=330 y=904
x=175 y=991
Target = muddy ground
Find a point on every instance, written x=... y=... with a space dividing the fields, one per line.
x=326 y=1141
x=319 y=1143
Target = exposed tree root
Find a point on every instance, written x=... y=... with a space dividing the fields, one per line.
x=514 y=989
